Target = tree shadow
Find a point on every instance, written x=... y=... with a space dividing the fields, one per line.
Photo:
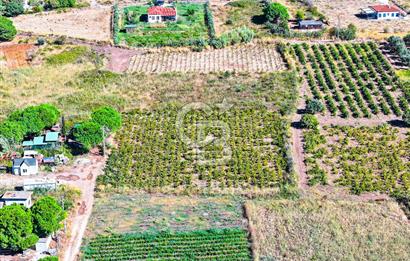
x=397 y=123
x=258 y=19
x=296 y=125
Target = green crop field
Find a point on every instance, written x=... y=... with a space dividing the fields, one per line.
x=190 y=26
x=352 y=79
x=248 y=148
x=361 y=158
x=223 y=244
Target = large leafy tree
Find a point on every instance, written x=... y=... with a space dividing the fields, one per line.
x=309 y=121
x=88 y=133
x=12 y=131
x=16 y=228
x=47 y=216
x=7 y=29
x=35 y=118
x=108 y=117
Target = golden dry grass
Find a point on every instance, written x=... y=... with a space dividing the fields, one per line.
x=319 y=229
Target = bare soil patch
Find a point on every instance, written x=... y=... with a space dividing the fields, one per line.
x=15 y=55
x=89 y=23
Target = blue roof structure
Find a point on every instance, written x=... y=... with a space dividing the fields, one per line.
x=52 y=136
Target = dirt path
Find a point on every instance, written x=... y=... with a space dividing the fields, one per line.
x=297 y=142
x=82 y=176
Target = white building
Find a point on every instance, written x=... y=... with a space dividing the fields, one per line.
x=383 y=12
x=17 y=197
x=25 y=166
x=159 y=14
x=46 y=184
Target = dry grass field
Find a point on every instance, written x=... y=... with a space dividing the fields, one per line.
x=318 y=229
x=89 y=24
x=136 y=213
x=345 y=11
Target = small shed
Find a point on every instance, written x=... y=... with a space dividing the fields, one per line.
x=25 y=166
x=43 y=244
x=17 y=197
x=310 y=24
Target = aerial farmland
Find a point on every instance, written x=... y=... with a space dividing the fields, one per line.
x=204 y=130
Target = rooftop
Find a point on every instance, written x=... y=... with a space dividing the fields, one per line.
x=52 y=136
x=310 y=22
x=385 y=8
x=29 y=161
x=163 y=11
x=17 y=195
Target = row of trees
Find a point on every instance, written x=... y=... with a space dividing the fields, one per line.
x=20 y=228
x=28 y=121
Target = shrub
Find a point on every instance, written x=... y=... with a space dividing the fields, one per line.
x=7 y=29
x=49 y=258
x=309 y=121
x=107 y=117
x=406 y=117
x=300 y=14
x=347 y=34
x=12 y=7
x=209 y=20
x=276 y=13
x=54 y=4
x=398 y=46
x=314 y=106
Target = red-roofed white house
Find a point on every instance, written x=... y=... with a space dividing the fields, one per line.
x=158 y=14
x=387 y=11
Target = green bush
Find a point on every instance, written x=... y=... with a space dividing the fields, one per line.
x=49 y=258
x=406 y=117
x=54 y=4
x=314 y=106
x=209 y=20
x=347 y=34
x=7 y=29
x=276 y=13
x=12 y=131
x=12 y=7
x=309 y=121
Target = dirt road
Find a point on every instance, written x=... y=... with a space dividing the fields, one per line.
x=82 y=176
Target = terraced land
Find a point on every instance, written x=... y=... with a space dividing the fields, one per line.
x=256 y=58
x=352 y=80
x=224 y=244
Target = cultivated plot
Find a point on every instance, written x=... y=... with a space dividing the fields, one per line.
x=365 y=159
x=352 y=80
x=254 y=58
